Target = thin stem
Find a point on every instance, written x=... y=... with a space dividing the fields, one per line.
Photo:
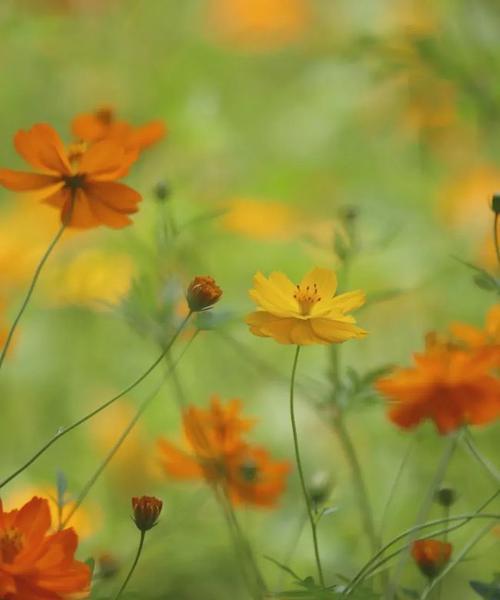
x=65 y=430
x=496 y=237
x=132 y=568
x=293 y=546
x=425 y=507
x=140 y=411
x=437 y=580
x=300 y=470
x=30 y=291
x=372 y=564
x=487 y=465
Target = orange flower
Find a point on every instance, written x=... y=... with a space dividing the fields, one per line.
x=222 y=457
x=449 y=384
x=84 y=190
x=35 y=565
x=103 y=125
x=202 y=293
x=431 y=556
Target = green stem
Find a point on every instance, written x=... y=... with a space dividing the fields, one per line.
x=132 y=568
x=437 y=580
x=425 y=507
x=30 y=291
x=65 y=430
x=495 y=237
x=373 y=565
x=487 y=465
x=305 y=493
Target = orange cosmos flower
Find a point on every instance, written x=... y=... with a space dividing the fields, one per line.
x=431 y=556
x=218 y=454
x=303 y=314
x=489 y=337
x=35 y=565
x=85 y=189
x=102 y=124
x=449 y=384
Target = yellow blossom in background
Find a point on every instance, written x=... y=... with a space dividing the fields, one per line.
x=133 y=466
x=261 y=219
x=257 y=25
x=86 y=520
x=303 y=314
x=93 y=278
x=417 y=17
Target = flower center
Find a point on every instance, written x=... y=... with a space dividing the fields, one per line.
x=306 y=298
x=74 y=182
x=249 y=471
x=11 y=543
x=105 y=115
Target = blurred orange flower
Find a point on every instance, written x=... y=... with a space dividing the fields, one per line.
x=218 y=454
x=85 y=191
x=303 y=314
x=431 y=556
x=449 y=384
x=258 y=25
x=102 y=124
x=489 y=337
x=34 y=564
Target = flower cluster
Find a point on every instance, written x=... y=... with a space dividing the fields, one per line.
x=218 y=453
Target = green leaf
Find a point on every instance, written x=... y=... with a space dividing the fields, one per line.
x=488 y=591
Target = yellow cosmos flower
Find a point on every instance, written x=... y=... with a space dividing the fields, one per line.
x=303 y=314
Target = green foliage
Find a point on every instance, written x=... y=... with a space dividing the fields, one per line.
x=487 y=591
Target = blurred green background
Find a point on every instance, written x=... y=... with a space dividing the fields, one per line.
x=290 y=123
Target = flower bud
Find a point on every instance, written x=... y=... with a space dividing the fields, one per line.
x=446 y=497
x=147 y=509
x=431 y=556
x=202 y=293
x=162 y=191
x=495 y=204
x=320 y=488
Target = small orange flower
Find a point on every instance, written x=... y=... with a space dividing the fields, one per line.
x=449 y=384
x=202 y=293
x=221 y=457
x=431 y=556
x=35 y=565
x=103 y=125
x=147 y=509
x=85 y=190
x=489 y=337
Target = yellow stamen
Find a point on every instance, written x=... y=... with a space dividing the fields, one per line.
x=307 y=298
x=11 y=544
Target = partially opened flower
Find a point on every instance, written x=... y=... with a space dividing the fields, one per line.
x=85 y=190
x=36 y=565
x=102 y=124
x=217 y=452
x=431 y=556
x=307 y=313
x=147 y=510
x=449 y=385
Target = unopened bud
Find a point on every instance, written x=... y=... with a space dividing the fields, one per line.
x=445 y=497
x=202 y=293
x=147 y=509
x=162 y=191
x=495 y=204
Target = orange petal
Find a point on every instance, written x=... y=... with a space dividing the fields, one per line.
x=116 y=196
x=19 y=181
x=89 y=127
x=106 y=160
x=146 y=135
x=42 y=148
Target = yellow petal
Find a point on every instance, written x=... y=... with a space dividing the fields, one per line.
x=274 y=294
x=265 y=324
x=302 y=333
x=349 y=301
x=336 y=331
x=325 y=280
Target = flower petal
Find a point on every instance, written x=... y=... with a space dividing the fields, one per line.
x=274 y=294
x=324 y=279
x=146 y=135
x=42 y=148
x=20 y=181
x=336 y=331
x=117 y=196
x=106 y=160
x=265 y=324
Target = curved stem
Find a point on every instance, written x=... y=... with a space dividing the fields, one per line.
x=487 y=465
x=65 y=430
x=132 y=568
x=140 y=411
x=30 y=291
x=372 y=564
x=305 y=493
x=425 y=507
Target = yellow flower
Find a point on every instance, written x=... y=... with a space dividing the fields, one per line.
x=303 y=314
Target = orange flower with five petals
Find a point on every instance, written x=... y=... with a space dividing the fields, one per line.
x=303 y=314
x=218 y=453
x=35 y=565
x=84 y=190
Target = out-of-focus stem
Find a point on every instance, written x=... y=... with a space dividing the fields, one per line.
x=134 y=565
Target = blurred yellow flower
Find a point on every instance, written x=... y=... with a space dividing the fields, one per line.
x=303 y=314
x=94 y=278
x=85 y=521
x=257 y=25
x=259 y=219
